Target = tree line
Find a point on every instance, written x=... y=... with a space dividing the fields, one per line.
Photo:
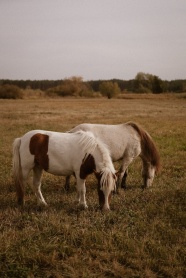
x=75 y=86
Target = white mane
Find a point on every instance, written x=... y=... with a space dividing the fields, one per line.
x=87 y=141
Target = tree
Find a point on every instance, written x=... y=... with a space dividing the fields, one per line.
x=157 y=85
x=109 y=89
x=148 y=83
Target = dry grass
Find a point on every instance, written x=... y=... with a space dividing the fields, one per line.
x=144 y=233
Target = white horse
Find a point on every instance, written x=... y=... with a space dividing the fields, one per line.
x=63 y=154
x=126 y=142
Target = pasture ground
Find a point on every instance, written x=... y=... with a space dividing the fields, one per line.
x=144 y=233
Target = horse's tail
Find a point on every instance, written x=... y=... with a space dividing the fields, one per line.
x=17 y=172
x=149 y=150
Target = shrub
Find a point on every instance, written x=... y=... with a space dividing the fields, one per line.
x=73 y=86
x=109 y=89
x=10 y=91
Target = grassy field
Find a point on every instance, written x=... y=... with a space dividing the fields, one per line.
x=144 y=233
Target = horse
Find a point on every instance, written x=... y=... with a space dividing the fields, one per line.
x=126 y=141
x=63 y=154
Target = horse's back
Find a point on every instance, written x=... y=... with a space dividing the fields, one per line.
x=119 y=138
x=50 y=150
x=99 y=130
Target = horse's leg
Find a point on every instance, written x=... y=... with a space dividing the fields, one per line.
x=67 y=183
x=21 y=188
x=81 y=191
x=148 y=173
x=37 y=174
x=123 y=181
x=124 y=171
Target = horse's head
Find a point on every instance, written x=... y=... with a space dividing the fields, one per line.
x=106 y=184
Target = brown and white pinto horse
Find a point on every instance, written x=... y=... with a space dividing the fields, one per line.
x=126 y=142
x=63 y=154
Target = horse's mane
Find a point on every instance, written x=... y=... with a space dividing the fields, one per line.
x=89 y=143
x=149 y=150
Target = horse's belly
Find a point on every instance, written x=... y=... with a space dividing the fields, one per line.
x=116 y=157
x=116 y=150
x=57 y=171
x=60 y=165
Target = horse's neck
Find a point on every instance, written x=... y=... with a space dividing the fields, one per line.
x=102 y=159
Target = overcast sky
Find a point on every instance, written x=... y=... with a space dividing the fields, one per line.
x=95 y=39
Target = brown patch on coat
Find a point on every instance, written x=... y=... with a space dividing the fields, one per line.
x=39 y=148
x=87 y=167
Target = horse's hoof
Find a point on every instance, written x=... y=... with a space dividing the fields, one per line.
x=83 y=206
x=67 y=188
x=20 y=202
x=42 y=204
x=105 y=209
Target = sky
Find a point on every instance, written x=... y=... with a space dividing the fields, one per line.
x=94 y=39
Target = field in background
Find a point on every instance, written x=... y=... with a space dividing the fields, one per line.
x=144 y=233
